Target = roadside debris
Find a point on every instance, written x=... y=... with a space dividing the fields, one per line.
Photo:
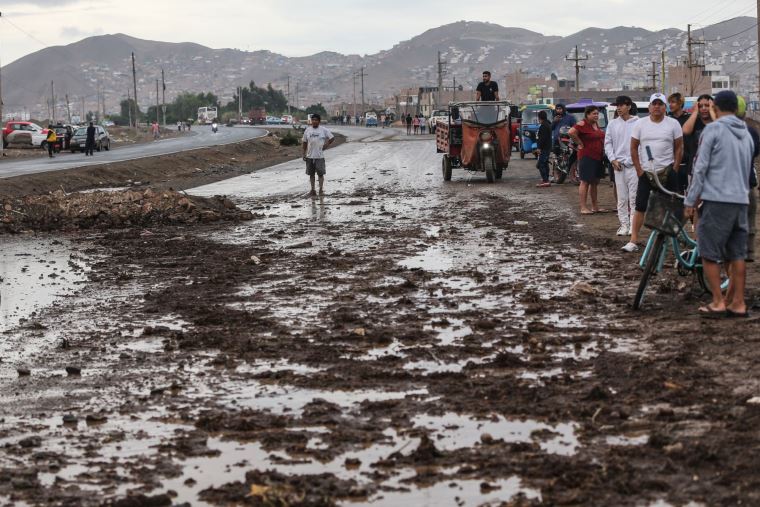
x=61 y=211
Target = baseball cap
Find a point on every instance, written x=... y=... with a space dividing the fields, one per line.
x=658 y=96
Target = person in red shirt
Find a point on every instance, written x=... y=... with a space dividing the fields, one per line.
x=590 y=140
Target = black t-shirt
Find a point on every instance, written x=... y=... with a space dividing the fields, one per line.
x=691 y=142
x=687 y=157
x=488 y=90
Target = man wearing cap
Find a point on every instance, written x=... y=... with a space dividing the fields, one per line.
x=720 y=180
x=315 y=140
x=664 y=138
x=617 y=147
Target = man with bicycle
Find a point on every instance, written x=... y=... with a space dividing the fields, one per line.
x=664 y=138
x=720 y=180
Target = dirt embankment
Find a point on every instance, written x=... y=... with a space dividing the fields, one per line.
x=177 y=171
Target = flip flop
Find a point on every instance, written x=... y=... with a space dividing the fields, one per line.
x=587 y=212
x=602 y=210
x=708 y=313
x=736 y=315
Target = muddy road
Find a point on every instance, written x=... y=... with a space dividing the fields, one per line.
x=398 y=341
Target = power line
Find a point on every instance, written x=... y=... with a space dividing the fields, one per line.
x=14 y=25
x=742 y=50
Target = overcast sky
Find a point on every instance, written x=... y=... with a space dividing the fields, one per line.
x=301 y=27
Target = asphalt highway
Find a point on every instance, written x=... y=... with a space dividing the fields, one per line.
x=202 y=137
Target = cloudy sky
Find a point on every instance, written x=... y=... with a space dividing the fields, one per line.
x=301 y=27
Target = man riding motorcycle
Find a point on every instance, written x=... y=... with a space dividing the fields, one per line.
x=561 y=119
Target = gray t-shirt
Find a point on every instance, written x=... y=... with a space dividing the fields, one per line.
x=315 y=139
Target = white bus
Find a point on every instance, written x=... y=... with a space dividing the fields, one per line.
x=206 y=115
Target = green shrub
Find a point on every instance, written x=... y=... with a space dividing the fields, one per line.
x=290 y=140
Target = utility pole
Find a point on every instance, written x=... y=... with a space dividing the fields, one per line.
x=362 y=75
x=354 y=95
x=662 y=71
x=68 y=108
x=52 y=101
x=134 y=84
x=441 y=71
x=240 y=104
x=158 y=121
x=84 y=113
x=654 y=75
x=289 y=92
x=298 y=99
x=2 y=153
x=690 y=61
x=454 y=97
x=578 y=68
x=163 y=94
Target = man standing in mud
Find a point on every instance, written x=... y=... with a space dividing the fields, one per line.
x=89 y=145
x=315 y=140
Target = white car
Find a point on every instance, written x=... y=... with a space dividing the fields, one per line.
x=24 y=132
x=438 y=115
x=287 y=120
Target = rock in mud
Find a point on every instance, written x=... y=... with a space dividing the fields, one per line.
x=73 y=371
x=23 y=371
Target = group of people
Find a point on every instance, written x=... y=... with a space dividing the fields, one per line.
x=415 y=124
x=706 y=156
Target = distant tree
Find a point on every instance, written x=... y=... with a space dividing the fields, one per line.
x=318 y=109
x=274 y=101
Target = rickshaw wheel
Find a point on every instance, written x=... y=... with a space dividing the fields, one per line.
x=446 y=167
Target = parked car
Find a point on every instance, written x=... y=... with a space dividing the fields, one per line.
x=287 y=120
x=102 y=139
x=273 y=120
x=438 y=115
x=24 y=132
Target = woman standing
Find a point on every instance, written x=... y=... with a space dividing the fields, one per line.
x=590 y=140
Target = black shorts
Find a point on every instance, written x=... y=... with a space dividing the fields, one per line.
x=590 y=170
x=645 y=188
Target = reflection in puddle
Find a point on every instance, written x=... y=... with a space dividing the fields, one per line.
x=34 y=273
x=456 y=431
x=435 y=258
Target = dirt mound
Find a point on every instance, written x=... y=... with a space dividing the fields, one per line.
x=61 y=211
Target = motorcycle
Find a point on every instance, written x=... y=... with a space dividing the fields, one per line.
x=214 y=127
x=564 y=161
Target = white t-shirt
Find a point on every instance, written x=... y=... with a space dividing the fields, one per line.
x=316 y=139
x=659 y=137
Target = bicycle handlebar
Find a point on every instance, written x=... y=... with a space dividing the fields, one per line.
x=656 y=176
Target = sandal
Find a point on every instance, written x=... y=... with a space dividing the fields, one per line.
x=587 y=212
x=707 y=312
x=736 y=315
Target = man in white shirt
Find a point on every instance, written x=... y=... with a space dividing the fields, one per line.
x=315 y=140
x=617 y=147
x=664 y=137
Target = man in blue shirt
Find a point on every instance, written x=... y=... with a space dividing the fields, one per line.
x=561 y=119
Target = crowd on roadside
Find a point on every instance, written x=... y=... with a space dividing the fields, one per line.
x=707 y=156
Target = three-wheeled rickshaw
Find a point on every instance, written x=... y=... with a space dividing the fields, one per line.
x=529 y=127
x=476 y=137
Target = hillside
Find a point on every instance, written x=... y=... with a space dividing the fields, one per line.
x=617 y=56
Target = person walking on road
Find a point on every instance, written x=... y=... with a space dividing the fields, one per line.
x=408 y=124
x=315 y=140
x=664 y=137
x=544 y=148
x=590 y=140
x=617 y=147
x=156 y=130
x=721 y=181
x=51 y=139
x=89 y=144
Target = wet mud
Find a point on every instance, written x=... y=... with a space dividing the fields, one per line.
x=395 y=342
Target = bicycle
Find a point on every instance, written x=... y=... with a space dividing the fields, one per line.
x=665 y=218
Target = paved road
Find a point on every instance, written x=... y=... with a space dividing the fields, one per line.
x=202 y=137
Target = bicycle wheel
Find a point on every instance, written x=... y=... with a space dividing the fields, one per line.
x=649 y=269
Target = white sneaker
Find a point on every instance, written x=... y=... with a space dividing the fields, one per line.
x=630 y=247
x=623 y=231
x=627 y=232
